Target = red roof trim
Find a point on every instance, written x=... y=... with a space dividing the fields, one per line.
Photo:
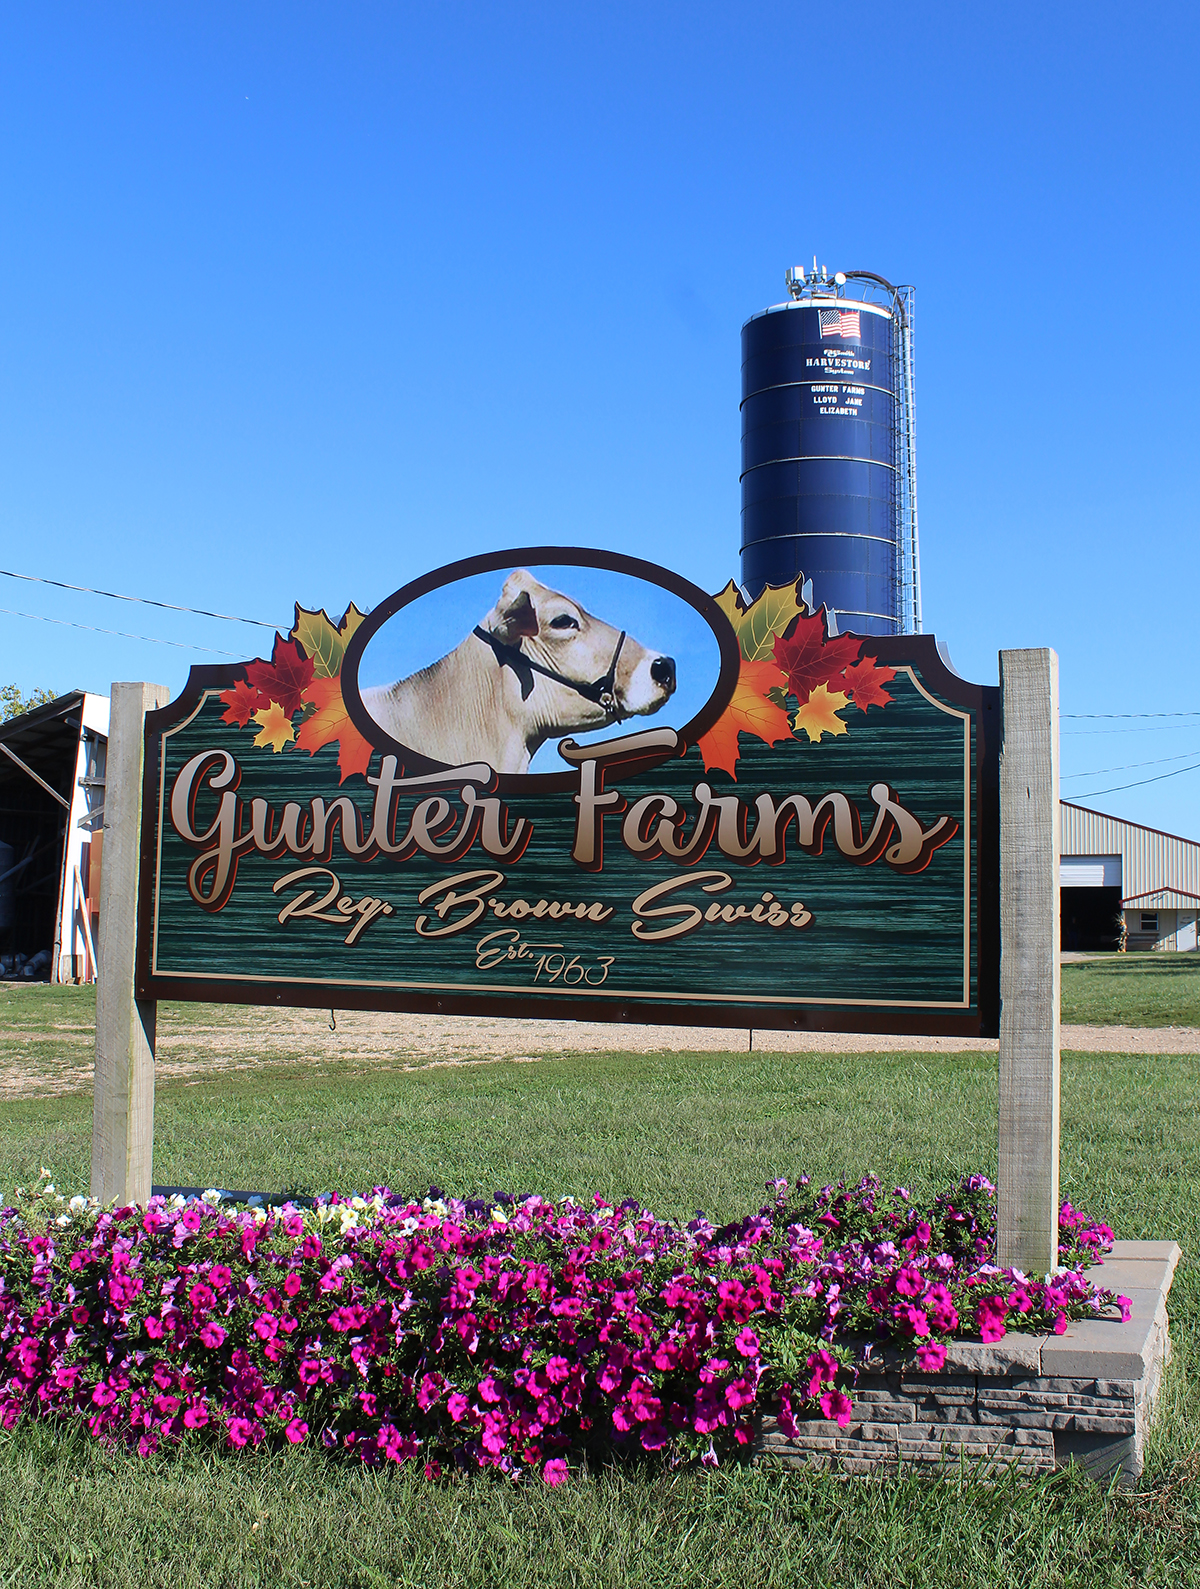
x=1132 y=899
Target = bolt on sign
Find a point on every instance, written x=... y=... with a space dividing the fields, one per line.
x=569 y=783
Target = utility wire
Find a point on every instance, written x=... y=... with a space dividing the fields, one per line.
x=1130 y=714
x=1090 y=794
x=120 y=633
x=200 y=612
x=1145 y=728
x=1098 y=772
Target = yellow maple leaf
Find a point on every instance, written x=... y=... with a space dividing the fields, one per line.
x=324 y=641
x=275 y=727
x=757 y=625
x=818 y=714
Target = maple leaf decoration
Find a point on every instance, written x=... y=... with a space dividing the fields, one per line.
x=284 y=678
x=274 y=727
x=811 y=658
x=324 y=642
x=864 y=683
x=757 y=625
x=818 y=715
x=750 y=711
x=331 y=721
x=242 y=702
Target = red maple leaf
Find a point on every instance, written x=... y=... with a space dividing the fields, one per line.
x=331 y=721
x=864 y=682
x=242 y=700
x=749 y=712
x=285 y=677
x=811 y=657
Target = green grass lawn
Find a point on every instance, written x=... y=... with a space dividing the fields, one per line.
x=1133 y=990
x=681 y=1132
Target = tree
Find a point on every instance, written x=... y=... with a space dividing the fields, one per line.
x=13 y=703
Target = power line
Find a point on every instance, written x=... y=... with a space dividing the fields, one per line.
x=1098 y=772
x=1147 y=728
x=120 y=633
x=145 y=601
x=1090 y=794
x=1130 y=714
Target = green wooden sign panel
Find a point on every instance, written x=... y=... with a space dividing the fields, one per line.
x=764 y=825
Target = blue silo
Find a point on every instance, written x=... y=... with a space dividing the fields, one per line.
x=828 y=487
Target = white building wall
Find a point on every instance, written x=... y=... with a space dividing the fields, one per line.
x=1149 y=859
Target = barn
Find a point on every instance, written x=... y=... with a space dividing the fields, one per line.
x=1122 y=880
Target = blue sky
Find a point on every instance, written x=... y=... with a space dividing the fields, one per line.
x=299 y=301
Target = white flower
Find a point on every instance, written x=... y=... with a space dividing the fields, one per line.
x=500 y=1217
x=176 y=1201
x=212 y=1197
x=50 y=1189
x=77 y=1204
x=63 y=1219
x=45 y=1175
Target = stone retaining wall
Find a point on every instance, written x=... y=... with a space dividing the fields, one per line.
x=1034 y=1402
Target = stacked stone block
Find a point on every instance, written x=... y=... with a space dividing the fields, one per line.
x=1033 y=1402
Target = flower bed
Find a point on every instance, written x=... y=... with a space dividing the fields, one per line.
x=517 y=1335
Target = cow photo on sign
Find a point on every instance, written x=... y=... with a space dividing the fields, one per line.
x=568 y=782
x=536 y=666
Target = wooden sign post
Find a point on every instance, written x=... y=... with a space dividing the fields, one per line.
x=123 y=1108
x=1030 y=975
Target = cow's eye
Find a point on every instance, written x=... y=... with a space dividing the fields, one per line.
x=564 y=621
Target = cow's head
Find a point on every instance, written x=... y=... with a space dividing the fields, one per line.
x=578 y=649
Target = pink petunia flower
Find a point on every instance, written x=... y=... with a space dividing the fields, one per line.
x=296 y=1431
x=747 y=1342
x=556 y=1472
x=837 y=1407
x=910 y=1282
x=931 y=1355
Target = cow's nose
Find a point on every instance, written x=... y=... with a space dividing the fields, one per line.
x=662 y=671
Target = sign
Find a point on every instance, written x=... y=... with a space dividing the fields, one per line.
x=567 y=783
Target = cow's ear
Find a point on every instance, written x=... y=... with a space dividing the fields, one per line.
x=516 y=617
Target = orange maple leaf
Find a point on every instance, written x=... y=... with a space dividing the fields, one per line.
x=331 y=721
x=275 y=727
x=864 y=683
x=818 y=715
x=748 y=712
x=242 y=700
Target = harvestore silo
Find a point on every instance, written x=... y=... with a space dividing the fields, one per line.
x=828 y=469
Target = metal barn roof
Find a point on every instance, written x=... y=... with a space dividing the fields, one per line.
x=1151 y=861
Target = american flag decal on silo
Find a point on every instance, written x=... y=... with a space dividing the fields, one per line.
x=840 y=323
